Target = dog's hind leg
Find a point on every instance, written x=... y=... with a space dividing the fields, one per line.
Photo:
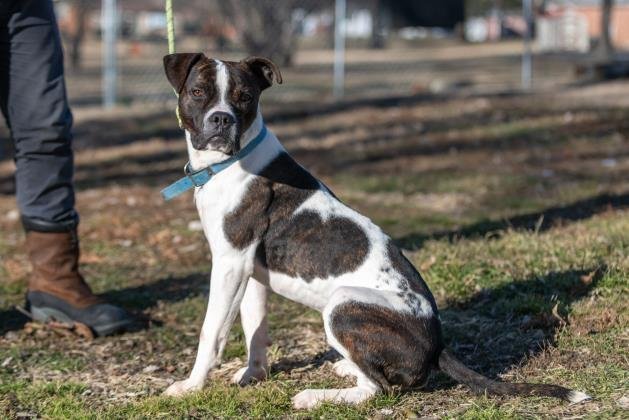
x=388 y=345
x=310 y=398
x=365 y=387
x=254 y=323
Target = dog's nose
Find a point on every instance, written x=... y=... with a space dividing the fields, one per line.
x=222 y=120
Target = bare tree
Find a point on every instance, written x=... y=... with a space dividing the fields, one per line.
x=267 y=27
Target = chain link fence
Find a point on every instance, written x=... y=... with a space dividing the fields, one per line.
x=391 y=48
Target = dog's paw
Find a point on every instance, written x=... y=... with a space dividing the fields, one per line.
x=248 y=375
x=180 y=388
x=307 y=399
x=344 y=368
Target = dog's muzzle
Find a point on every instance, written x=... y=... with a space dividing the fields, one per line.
x=219 y=133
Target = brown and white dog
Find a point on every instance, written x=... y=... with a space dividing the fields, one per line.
x=272 y=225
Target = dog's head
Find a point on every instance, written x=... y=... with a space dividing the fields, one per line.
x=218 y=100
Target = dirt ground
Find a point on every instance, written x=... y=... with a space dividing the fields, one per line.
x=513 y=207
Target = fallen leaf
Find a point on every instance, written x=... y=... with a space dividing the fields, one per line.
x=555 y=313
x=150 y=369
x=425 y=266
x=60 y=325
x=195 y=226
x=586 y=279
x=83 y=330
x=16 y=268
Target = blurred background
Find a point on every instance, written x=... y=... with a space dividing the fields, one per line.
x=395 y=47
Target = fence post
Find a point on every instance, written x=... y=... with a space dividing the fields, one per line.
x=527 y=59
x=109 y=32
x=339 y=48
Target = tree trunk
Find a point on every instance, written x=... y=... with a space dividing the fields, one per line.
x=377 y=40
x=605 y=48
x=78 y=15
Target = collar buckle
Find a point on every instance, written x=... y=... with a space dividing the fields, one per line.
x=191 y=175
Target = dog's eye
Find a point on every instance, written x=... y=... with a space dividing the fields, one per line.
x=245 y=98
x=197 y=92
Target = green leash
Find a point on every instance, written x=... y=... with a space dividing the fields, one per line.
x=170 y=26
x=170 y=33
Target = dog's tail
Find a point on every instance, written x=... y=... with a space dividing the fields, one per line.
x=480 y=384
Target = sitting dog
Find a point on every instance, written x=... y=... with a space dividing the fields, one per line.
x=272 y=225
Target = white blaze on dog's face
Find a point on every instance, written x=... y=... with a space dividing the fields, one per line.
x=218 y=100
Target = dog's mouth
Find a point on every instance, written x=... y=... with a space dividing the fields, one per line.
x=217 y=142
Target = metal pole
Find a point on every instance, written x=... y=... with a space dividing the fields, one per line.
x=339 y=48
x=109 y=28
x=527 y=55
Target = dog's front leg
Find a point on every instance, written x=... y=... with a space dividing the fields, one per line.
x=228 y=284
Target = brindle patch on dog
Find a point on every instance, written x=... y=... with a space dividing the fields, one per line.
x=394 y=349
x=412 y=280
x=301 y=245
x=247 y=223
x=272 y=197
x=309 y=247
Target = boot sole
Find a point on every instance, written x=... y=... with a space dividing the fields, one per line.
x=44 y=314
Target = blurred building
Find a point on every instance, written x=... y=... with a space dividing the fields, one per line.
x=591 y=11
x=570 y=25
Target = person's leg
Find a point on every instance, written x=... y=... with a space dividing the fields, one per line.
x=40 y=119
x=36 y=108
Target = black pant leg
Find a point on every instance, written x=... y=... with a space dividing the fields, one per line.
x=38 y=114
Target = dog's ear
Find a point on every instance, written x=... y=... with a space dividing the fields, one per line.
x=264 y=69
x=178 y=66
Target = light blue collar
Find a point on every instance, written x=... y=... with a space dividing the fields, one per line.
x=203 y=176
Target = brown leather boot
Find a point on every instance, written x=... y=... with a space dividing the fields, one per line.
x=57 y=289
x=55 y=260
